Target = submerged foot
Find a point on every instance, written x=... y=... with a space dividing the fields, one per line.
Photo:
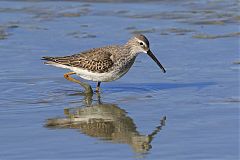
x=87 y=87
x=97 y=90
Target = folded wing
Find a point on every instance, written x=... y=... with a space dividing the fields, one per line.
x=95 y=60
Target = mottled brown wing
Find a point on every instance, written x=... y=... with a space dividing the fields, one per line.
x=95 y=60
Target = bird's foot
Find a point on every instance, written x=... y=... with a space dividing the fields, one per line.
x=97 y=90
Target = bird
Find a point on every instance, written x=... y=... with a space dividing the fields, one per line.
x=103 y=64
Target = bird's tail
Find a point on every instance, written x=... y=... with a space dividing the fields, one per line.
x=54 y=61
x=48 y=58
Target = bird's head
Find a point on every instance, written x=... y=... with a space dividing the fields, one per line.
x=140 y=44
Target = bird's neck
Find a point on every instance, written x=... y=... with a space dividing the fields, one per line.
x=132 y=51
x=127 y=57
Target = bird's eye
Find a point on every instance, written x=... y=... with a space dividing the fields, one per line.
x=141 y=43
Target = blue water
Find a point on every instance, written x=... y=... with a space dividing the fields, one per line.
x=199 y=94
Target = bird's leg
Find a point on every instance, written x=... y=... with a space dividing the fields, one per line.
x=98 y=87
x=87 y=87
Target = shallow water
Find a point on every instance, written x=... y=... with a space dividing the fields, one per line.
x=191 y=112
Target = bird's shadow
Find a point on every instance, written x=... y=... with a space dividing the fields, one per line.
x=142 y=87
x=106 y=121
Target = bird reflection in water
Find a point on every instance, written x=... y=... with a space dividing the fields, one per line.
x=107 y=122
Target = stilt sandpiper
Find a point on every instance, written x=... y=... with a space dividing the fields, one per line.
x=103 y=64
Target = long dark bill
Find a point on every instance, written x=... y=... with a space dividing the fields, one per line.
x=156 y=60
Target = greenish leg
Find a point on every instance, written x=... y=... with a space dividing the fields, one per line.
x=87 y=87
x=98 y=87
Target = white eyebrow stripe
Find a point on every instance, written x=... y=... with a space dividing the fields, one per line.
x=142 y=42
